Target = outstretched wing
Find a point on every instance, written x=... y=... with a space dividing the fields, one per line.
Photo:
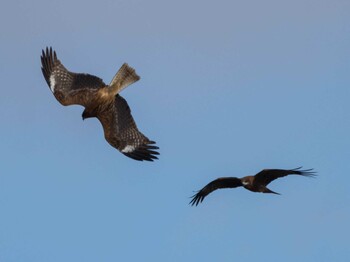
x=121 y=132
x=223 y=182
x=265 y=176
x=69 y=88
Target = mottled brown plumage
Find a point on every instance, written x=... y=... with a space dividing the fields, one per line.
x=101 y=101
x=255 y=183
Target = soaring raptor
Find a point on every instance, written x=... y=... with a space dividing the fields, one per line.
x=101 y=101
x=255 y=183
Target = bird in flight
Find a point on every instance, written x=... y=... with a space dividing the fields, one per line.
x=255 y=183
x=101 y=101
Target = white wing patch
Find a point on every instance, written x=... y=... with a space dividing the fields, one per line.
x=128 y=149
x=52 y=83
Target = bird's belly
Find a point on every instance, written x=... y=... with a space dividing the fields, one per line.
x=252 y=188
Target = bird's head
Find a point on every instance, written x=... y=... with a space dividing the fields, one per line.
x=88 y=114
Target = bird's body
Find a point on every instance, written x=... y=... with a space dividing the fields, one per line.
x=257 y=183
x=101 y=101
x=252 y=184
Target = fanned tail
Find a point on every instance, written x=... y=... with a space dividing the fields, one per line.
x=125 y=76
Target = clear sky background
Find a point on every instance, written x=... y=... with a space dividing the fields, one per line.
x=227 y=88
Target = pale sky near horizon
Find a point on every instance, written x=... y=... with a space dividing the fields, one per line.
x=227 y=88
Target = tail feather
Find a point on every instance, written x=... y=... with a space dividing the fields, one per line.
x=270 y=191
x=125 y=76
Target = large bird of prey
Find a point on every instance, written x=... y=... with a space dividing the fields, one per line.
x=255 y=183
x=101 y=101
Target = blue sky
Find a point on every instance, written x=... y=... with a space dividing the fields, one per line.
x=227 y=88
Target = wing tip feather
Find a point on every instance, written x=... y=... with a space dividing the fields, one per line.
x=305 y=172
x=144 y=152
x=196 y=198
x=48 y=58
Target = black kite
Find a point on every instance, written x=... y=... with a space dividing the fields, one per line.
x=255 y=183
x=101 y=101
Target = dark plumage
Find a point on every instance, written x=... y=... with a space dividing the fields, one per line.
x=101 y=101
x=255 y=183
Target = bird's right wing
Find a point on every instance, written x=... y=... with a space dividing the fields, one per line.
x=69 y=88
x=122 y=133
x=223 y=182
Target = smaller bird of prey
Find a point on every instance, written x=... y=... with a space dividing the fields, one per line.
x=255 y=183
x=101 y=101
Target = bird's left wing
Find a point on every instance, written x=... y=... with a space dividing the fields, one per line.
x=267 y=175
x=122 y=133
x=223 y=182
